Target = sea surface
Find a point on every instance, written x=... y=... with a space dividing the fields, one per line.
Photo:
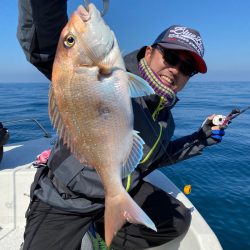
x=220 y=177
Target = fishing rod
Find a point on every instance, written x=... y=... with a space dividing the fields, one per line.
x=223 y=121
x=17 y=122
x=219 y=120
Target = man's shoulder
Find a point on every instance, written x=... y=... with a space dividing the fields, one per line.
x=132 y=56
x=131 y=62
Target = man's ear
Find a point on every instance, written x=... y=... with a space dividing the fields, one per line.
x=148 y=53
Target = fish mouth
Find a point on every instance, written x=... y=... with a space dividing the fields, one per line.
x=97 y=40
x=83 y=13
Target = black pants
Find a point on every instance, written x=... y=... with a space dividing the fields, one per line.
x=51 y=229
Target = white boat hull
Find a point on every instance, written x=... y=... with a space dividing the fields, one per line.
x=17 y=174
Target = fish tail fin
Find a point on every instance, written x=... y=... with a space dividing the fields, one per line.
x=119 y=210
x=138 y=86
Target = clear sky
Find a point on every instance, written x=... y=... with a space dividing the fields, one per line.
x=224 y=26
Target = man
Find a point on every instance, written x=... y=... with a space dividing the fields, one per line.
x=66 y=196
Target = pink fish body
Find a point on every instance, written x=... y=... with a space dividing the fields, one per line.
x=90 y=106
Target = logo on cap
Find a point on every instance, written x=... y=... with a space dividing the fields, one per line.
x=187 y=37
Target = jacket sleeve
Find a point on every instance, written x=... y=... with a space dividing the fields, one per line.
x=39 y=26
x=182 y=149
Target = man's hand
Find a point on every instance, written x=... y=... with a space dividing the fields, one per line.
x=210 y=134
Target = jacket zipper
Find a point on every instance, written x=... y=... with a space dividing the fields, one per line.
x=159 y=107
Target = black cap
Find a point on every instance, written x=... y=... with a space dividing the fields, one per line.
x=182 y=38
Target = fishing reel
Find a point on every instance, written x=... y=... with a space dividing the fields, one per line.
x=218 y=120
x=222 y=120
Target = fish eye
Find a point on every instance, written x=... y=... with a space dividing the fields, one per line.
x=69 y=41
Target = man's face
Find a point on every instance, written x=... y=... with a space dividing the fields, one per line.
x=170 y=75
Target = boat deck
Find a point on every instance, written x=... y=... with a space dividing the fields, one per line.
x=17 y=174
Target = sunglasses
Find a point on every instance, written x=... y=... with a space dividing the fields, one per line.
x=172 y=57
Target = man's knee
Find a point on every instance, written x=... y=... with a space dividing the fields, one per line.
x=174 y=227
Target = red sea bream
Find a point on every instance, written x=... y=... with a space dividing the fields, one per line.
x=90 y=106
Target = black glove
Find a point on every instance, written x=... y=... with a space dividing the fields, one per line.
x=209 y=134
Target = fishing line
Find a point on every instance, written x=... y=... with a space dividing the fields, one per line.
x=165 y=150
x=105 y=6
x=221 y=120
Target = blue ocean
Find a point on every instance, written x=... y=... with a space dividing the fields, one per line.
x=220 y=177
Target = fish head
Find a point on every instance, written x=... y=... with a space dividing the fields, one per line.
x=86 y=41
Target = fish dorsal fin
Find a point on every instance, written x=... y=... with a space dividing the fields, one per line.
x=59 y=126
x=138 y=86
x=56 y=120
x=135 y=155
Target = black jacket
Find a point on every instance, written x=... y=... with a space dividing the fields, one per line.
x=66 y=183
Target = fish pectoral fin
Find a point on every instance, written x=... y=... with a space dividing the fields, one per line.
x=138 y=86
x=135 y=155
x=119 y=210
